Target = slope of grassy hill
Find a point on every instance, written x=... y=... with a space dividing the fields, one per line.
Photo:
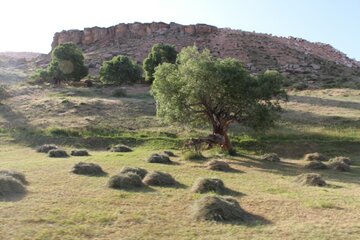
x=62 y=205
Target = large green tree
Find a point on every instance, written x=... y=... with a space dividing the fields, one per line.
x=67 y=63
x=220 y=92
x=160 y=53
x=119 y=70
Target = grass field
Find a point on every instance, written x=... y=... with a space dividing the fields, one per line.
x=61 y=205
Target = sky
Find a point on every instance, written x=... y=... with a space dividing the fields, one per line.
x=29 y=25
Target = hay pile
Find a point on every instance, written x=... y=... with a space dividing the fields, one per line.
x=342 y=159
x=215 y=208
x=217 y=165
x=91 y=169
x=58 y=153
x=204 y=185
x=10 y=187
x=315 y=157
x=271 y=157
x=45 y=148
x=120 y=148
x=139 y=171
x=316 y=165
x=156 y=178
x=125 y=181
x=79 y=153
x=17 y=175
x=159 y=158
x=310 y=179
x=339 y=166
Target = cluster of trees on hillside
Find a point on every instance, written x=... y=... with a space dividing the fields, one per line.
x=67 y=65
x=191 y=87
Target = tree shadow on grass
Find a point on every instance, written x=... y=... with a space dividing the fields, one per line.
x=233 y=193
x=325 y=102
x=293 y=169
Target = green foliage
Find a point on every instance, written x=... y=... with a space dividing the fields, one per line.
x=202 y=89
x=67 y=64
x=120 y=70
x=160 y=53
x=41 y=75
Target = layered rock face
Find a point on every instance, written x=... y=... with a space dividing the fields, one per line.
x=124 y=31
x=294 y=57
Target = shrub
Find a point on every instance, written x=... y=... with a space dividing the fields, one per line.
x=67 y=64
x=160 y=53
x=120 y=70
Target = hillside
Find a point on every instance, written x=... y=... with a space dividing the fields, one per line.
x=62 y=205
x=304 y=62
x=16 y=67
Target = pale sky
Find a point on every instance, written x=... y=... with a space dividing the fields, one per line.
x=29 y=25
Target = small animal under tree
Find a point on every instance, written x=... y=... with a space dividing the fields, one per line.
x=200 y=89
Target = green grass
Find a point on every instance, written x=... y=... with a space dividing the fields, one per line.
x=61 y=205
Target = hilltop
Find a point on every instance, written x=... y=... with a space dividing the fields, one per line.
x=303 y=62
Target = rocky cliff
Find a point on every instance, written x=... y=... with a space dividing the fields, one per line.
x=310 y=63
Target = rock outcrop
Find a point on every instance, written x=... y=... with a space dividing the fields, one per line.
x=314 y=63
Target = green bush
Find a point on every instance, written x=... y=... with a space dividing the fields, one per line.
x=119 y=70
x=67 y=64
x=160 y=53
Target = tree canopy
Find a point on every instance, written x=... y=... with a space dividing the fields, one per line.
x=119 y=70
x=202 y=89
x=160 y=53
x=67 y=63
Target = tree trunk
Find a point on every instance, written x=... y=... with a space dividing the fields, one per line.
x=222 y=130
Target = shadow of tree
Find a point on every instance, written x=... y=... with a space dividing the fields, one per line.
x=293 y=169
x=325 y=102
